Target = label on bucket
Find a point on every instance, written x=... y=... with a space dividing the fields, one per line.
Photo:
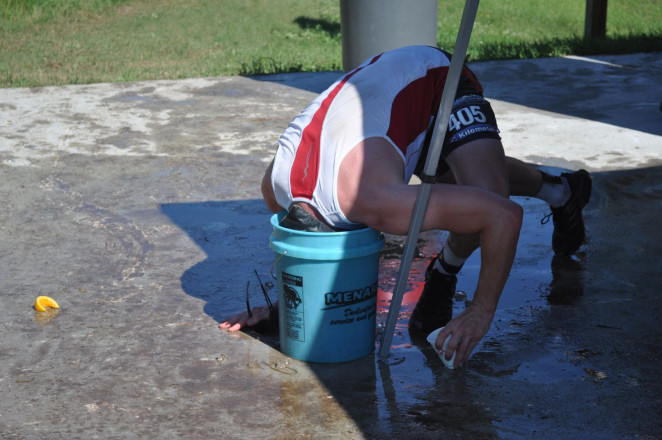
x=293 y=294
x=353 y=304
x=334 y=300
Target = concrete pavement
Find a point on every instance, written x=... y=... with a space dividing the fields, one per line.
x=137 y=207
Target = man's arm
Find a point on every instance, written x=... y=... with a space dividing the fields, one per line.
x=268 y=191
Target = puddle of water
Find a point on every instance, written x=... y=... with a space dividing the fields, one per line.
x=548 y=369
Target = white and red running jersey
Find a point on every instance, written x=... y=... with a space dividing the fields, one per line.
x=394 y=96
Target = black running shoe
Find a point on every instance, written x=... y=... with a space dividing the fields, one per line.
x=569 y=233
x=435 y=306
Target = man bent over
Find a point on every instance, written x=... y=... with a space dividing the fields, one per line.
x=345 y=163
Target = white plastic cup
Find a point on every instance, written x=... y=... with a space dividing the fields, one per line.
x=432 y=338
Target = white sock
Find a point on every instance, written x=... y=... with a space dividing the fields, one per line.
x=447 y=262
x=556 y=194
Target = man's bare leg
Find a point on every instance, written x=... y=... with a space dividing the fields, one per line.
x=523 y=178
x=480 y=164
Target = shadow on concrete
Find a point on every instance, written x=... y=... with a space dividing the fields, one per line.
x=582 y=87
x=227 y=232
x=565 y=332
x=376 y=396
x=315 y=82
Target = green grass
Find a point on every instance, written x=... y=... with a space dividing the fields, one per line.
x=52 y=42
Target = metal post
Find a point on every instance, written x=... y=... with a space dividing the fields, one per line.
x=438 y=135
x=370 y=27
x=595 y=24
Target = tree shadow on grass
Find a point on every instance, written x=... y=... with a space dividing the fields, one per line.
x=330 y=28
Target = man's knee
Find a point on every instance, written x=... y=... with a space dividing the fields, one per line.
x=513 y=214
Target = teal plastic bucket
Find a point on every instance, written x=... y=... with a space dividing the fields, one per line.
x=327 y=292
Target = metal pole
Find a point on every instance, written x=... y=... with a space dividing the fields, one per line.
x=595 y=23
x=370 y=27
x=438 y=135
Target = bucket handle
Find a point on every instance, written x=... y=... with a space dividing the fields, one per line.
x=275 y=277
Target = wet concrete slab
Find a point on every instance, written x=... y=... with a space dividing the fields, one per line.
x=137 y=207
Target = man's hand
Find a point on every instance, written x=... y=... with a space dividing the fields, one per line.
x=242 y=320
x=466 y=331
